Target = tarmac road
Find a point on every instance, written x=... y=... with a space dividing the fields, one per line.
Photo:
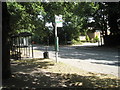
x=88 y=57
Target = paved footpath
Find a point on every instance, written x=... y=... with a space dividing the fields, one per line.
x=88 y=57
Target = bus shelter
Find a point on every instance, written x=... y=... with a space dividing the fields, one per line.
x=21 y=46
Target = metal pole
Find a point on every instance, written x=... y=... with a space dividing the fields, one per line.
x=26 y=45
x=56 y=52
x=19 y=48
x=55 y=30
x=32 y=48
x=29 y=45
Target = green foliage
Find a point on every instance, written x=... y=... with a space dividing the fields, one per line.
x=87 y=38
x=24 y=15
x=107 y=15
x=96 y=39
x=76 y=42
x=32 y=17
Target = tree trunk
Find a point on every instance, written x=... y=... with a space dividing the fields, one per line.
x=6 y=71
x=112 y=19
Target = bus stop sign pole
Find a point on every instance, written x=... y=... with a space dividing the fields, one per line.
x=56 y=43
x=58 y=23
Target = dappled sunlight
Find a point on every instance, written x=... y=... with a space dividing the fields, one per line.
x=109 y=54
x=87 y=52
x=94 y=63
x=39 y=80
x=29 y=65
x=42 y=73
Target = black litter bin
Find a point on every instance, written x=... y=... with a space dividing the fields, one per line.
x=45 y=54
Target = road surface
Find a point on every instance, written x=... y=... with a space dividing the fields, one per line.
x=88 y=57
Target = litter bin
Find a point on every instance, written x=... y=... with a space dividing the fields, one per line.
x=45 y=54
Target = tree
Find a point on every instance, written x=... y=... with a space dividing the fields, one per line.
x=108 y=14
x=32 y=17
x=100 y=17
x=24 y=16
x=27 y=17
x=6 y=71
x=107 y=17
x=113 y=17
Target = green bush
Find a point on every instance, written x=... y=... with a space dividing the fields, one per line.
x=96 y=39
x=83 y=40
x=76 y=42
x=87 y=38
x=92 y=40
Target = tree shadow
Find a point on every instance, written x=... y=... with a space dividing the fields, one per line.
x=114 y=64
x=98 y=54
x=87 y=53
x=94 y=53
x=59 y=80
x=28 y=75
x=30 y=65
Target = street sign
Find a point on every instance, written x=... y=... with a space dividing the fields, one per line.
x=58 y=20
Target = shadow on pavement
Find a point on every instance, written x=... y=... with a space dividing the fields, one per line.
x=95 y=53
x=29 y=65
x=114 y=64
x=40 y=80
x=29 y=74
x=92 y=53
x=48 y=80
